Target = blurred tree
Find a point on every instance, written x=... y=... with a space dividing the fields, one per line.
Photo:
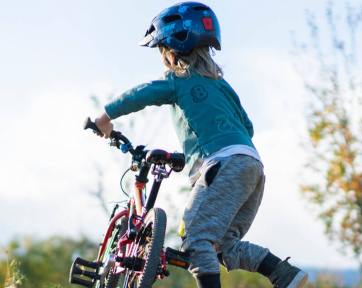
x=180 y=278
x=325 y=280
x=331 y=71
x=44 y=263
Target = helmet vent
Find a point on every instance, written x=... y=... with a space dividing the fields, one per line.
x=181 y=36
x=201 y=8
x=171 y=18
x=150 y=30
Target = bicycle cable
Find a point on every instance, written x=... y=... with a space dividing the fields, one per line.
x=124 y=174
x=124 y=192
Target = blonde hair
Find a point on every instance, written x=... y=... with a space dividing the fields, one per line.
x=199 y=60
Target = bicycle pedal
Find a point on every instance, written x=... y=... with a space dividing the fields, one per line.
x=83 y=272
x=178 y=258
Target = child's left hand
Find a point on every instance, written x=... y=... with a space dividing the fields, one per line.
x=104 y=124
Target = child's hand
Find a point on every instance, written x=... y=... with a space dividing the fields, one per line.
x=104 y=124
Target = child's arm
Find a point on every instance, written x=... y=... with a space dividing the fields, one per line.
x=153 y=93
x=157 y=93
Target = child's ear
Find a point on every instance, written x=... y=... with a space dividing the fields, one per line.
x=171 y=58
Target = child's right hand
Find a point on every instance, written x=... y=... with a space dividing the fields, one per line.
x=104 y=124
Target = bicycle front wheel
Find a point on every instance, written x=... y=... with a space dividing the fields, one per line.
x=148 y=251
x=119 y=230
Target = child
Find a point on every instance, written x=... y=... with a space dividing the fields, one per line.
x=215 y=132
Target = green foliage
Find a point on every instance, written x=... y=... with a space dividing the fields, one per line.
x=335 y=126
x=14 y=278
x=324 y=280
x=243 y=279
x=180 y=278
x=44 y=263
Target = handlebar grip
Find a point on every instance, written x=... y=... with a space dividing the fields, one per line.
x=177 y=162
x=174 y=160
x=88 y=124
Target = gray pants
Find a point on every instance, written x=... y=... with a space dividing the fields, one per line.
x=220 y=211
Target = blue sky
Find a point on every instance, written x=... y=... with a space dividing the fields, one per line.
x=55 y=54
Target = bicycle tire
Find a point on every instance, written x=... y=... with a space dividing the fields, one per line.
x=112 y=279
x=149 y=248
x=119 y=229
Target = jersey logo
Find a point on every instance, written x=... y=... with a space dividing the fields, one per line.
x=199 y=93
x=224 y=123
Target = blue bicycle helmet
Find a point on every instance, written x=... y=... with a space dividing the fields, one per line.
x=184 y=26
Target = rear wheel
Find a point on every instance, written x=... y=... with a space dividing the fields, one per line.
x=147 y=252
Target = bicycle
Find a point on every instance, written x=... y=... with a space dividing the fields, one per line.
x=132 y=254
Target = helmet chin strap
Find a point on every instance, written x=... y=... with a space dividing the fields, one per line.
x=168 y=62
x=180 y=55
x=176 y=57
x=177 y=54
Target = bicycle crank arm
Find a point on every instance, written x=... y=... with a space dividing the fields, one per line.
x=108 y=265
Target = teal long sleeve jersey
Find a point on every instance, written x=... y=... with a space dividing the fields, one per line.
x=206 y=113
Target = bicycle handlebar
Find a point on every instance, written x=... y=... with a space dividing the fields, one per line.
x=159 y=157
x=116 y=135
x=174 y=160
